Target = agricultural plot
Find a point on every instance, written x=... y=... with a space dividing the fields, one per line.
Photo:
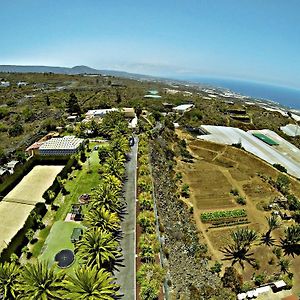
x=216 y=170
x=212 y=195
x=17 y=205
x=284 y=153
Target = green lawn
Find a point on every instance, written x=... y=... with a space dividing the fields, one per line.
x=79 y=182
x=58 y=239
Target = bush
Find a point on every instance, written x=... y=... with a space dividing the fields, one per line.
x=146 y=201
x=146 y=220
x=280 y=168
x=241 y=200
x=185 y=190
x=234 y=192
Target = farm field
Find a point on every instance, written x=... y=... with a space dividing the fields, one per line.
x=17 y=205
x=216 y=171
x=283 y=154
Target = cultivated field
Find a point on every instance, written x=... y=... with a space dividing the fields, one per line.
x=285 y=153
x=217 y=170
x=17 y=205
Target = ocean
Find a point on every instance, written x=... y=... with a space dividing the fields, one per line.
x=285 y=96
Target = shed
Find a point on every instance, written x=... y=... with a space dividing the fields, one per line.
x=183 y=108
x=12 y=165
x=278 y=285
x=76 y=234
x=265 y=139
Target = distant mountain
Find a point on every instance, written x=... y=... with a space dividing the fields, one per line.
x=70 y=71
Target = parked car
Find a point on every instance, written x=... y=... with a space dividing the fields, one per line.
x=131 y=141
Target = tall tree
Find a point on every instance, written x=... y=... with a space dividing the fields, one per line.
x=91 y=284
x=72 y=104
x=39 y=282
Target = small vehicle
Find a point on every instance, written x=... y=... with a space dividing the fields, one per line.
x=131 y=141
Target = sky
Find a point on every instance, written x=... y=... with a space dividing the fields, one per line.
x=256 y=40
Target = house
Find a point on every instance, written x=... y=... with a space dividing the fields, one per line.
x=99 y=113
x=4 y=83
x=34 y=148
x=61 y=146
x=149 y=96
x=21 y=83
x=12 y=165
x=278 y=286
x=72 y=118
x=183 y=108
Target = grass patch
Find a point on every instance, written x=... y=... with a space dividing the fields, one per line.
x=59 y=239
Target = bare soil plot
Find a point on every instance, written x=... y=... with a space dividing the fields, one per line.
x=32 y=187
x=213 y=185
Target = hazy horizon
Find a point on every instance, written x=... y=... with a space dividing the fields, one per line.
x=249 y=40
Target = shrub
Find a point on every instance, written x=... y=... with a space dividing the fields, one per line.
x=280 y=168
x=234 y=192
x=185 y=190
x=145 y=184
x=241 y=200
x=145 y=200
x=146 y=220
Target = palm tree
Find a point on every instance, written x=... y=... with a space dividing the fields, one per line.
x=90 y=284
x=291 y=242
x=120 y=144
x=9 y=273
x=273 y=223
x=284 y=265
x=98 y=248
x=108 y=196
x=103 y=219
x=115 y=165
x=38 y=281
x=242 y=238
x=115 y=183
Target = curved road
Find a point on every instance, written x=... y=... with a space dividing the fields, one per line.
x=126 y=273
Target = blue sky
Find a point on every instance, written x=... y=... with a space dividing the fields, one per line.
x=246 y=39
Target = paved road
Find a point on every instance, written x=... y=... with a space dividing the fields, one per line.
x=126 y=274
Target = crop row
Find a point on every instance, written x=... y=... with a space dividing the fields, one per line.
x=222 y=214
x=228 y=224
